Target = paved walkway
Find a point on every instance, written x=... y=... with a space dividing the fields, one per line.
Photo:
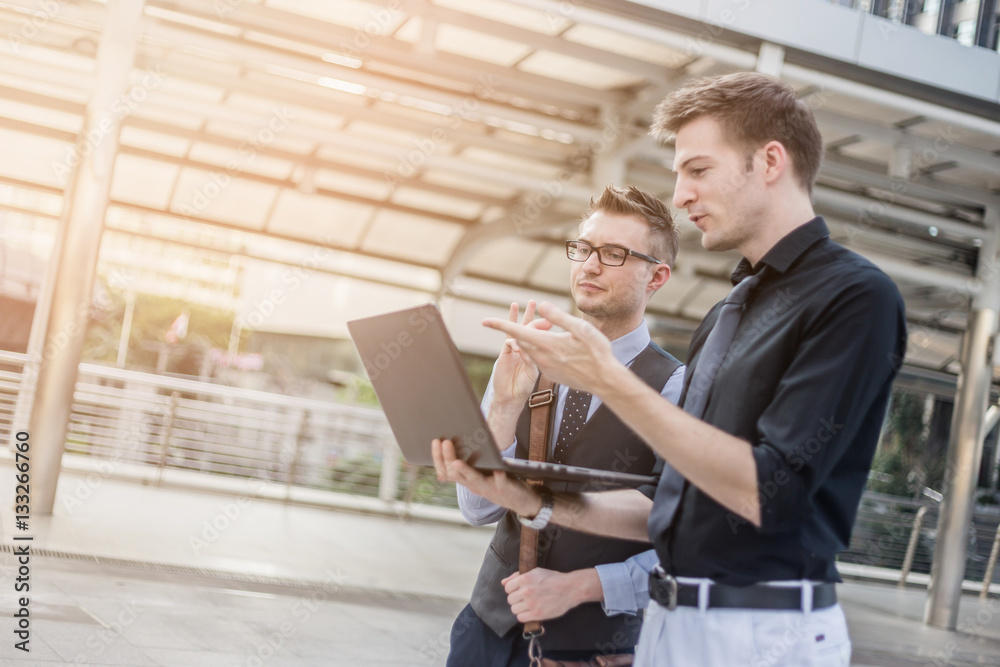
x=126 y=573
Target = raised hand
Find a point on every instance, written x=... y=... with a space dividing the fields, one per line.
x=578 y=356
x=514 y=374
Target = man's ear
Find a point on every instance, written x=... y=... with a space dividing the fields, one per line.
x=661 y=274
x=776 y=160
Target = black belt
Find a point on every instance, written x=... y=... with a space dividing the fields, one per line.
x=670 y=593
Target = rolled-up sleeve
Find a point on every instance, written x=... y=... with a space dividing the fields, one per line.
x=798 y=445
x=626 y=585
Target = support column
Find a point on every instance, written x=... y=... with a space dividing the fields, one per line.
x=770 y=58
x=965 y=443
x=75 y=256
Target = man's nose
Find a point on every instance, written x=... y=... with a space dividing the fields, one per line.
x=683 y=194
x=593 y=263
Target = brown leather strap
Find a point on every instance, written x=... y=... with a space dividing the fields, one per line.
x=540 y=403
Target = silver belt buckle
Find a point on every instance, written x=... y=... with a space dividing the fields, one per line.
x=661 y=574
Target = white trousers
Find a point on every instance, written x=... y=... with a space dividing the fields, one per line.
x=689 y=637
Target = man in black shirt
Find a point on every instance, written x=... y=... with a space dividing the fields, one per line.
x=784 y=417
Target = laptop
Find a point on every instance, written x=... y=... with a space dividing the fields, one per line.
x=419 y=379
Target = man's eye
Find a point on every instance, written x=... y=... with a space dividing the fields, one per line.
x=616 y=254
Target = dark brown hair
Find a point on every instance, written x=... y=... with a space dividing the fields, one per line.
x=752 y=109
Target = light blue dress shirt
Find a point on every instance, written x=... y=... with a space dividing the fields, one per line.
x=625 y=584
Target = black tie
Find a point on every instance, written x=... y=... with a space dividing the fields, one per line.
x=574 y=416
x=713 y=353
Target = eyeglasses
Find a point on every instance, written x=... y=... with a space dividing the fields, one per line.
x=608 y=255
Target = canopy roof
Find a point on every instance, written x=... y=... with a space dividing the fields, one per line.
x=450 y=146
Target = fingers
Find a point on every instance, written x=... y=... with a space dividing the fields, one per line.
x=448 y=467
x=560 y=317
x=439 y=467
x=529 y=312
x=521 y=333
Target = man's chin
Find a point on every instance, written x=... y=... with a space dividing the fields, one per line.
x=713 y=243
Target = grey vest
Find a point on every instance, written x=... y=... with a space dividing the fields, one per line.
x=604 y=442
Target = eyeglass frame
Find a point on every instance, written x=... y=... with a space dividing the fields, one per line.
x=600 y=258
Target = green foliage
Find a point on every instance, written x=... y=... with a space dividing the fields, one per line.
x=151 y=319
x=903 y=453
x=479 y=370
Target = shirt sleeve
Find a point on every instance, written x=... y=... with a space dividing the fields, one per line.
x=475 y=509
x=626 y=585
x=826 y=397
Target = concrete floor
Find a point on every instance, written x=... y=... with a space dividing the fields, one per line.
x=126 y=573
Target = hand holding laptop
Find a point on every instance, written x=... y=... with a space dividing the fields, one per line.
x=496 y=486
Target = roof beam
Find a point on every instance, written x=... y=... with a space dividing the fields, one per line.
x=230 y=47
x=944 y=147
x=264 y=19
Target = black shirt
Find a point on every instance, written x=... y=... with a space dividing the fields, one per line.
x=806 y=382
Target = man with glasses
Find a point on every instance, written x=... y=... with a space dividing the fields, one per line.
x=787 y=388
x=626 y=245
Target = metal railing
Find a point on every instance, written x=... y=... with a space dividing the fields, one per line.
x=899 y=533
x=166 y=422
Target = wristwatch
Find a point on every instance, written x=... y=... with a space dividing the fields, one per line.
x=542 y=518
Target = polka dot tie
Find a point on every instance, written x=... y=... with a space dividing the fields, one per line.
x=574 y=416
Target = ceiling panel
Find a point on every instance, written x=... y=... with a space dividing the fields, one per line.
x=39 y=159
x=545 y=22
x=412 y=237
x=218 y=196
x=142 y=181
x=320 y=219
x=437 y=203
x=626 y=45
x=507 y=259
x=567 y=68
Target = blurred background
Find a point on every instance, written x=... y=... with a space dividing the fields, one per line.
x=284 y=166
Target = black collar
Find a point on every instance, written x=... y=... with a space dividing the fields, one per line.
x=786 y=251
